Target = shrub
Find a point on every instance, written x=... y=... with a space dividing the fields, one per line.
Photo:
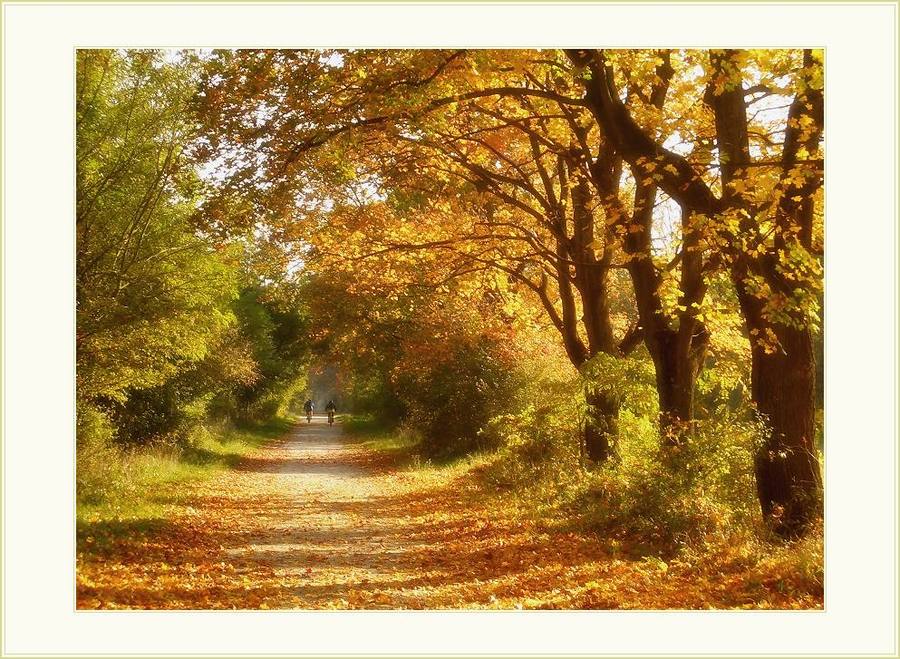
x=537 y=444
x=97 y=458
x=701 y=493
x=451 y=395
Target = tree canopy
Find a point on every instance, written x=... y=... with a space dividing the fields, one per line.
x=618 y=192
x=464 y=234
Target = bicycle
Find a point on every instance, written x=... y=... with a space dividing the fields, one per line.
x=309 y=416
x=330 y=417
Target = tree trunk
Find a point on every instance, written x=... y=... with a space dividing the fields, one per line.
x=601 y=425
x=677 y=354
x=788 y=477
x=783 y=377
x=677 y=368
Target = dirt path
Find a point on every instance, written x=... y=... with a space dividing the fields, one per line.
x=326 y=530
x=316 y=521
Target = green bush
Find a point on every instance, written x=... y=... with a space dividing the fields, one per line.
x=277 y=339
x=668 y=499
x=698 y=493
x=537 y=445
x=450 y=397
x=97 y=458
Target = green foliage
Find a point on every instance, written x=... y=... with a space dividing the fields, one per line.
x=279 y=342
x=171 y=348
x=699 y=492
x=665 y=500
x=632 y=378
x=451 y=397
x=165 y=343
x=535 y=448
x=371 y=393
x=151 y=295
x=114 y=482
x=98 y=458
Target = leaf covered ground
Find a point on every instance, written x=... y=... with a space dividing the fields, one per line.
x=317 y=520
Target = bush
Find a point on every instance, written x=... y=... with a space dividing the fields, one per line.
x=452 y=395
x=701 y=493
x=163 y=415
x=97 y=458
x=537 y=445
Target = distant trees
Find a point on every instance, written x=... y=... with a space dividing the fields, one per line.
x=441 y=359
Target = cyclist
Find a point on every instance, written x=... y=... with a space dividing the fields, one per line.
x=308 y=407
x=331 y=408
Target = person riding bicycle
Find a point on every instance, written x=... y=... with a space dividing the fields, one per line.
x=308 y=407
x=331 y=408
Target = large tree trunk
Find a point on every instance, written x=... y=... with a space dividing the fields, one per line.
x=783 y=377
x=788 y=476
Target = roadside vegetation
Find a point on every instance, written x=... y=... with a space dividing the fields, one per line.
x=123 y=492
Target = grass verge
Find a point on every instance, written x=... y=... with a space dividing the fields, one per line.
x=383 y=439
x=132 y=493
